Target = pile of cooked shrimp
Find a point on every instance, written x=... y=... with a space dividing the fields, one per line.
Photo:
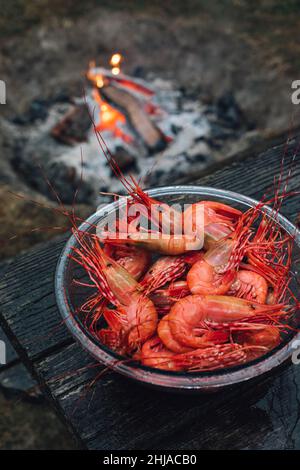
x=214 y=297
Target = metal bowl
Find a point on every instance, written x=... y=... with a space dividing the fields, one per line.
x=70 y=297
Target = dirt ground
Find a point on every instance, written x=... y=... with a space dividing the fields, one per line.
x=207 y=47
x=251 y=48
x=25 y=425
x=210 y=47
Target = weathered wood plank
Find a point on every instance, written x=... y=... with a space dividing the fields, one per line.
x=14 y=377
x=28 y=307
x=255 y=175
x=11 y=356
x=264 y=416
x=116 y=413
x=111 y=412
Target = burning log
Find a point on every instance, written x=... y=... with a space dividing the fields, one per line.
x=137 y=116
x=74 y=126
x=123 y=99
x=125 y=161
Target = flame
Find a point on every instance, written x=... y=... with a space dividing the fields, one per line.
x=99 y=81
x=115 y=70
x=96 y=78
x=115 y=62
x=110 y=118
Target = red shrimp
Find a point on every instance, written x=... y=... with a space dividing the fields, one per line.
x=207 y=277
x=249 y=285
x=190 y=317
x=210 y=219
x=168 y=269
x=134 y=260
x=135 y=312
x=154 y=354
x=165 y=297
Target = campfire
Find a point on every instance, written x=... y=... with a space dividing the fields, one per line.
x=155 y=130
x=124 y=107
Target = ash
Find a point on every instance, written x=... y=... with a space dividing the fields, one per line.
x=197 y=134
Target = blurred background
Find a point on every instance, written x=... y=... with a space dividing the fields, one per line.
x=173 y=86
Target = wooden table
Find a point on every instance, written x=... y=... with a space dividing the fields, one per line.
x=116 y=413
